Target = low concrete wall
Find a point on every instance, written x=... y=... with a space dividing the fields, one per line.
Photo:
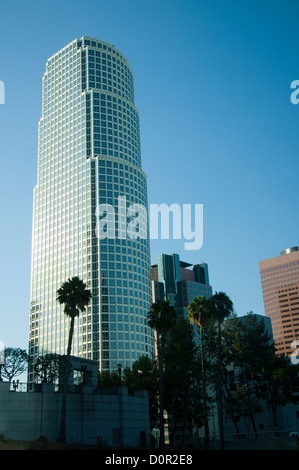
x=93 y=416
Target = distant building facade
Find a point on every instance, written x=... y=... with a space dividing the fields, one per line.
x=280 y=286
x=180 y=283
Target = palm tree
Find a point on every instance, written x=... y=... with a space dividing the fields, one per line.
x=75 y=297
x=198 y=312
x=161 y=317
x=221 y=307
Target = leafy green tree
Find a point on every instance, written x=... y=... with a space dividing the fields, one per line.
x=15 y=363
x=280 y=383
x=161 y=317
x=252 y=350
x=75 y=297
x=198 y=312
x=144 y=375
x=182 y=380
x=244 y=405
x=220 y=308
x=47 y=368
x=108 y=379
x=248 y=358
x=228 y=331
x=251 y=371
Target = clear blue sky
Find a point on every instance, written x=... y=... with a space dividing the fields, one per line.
x=212 y=85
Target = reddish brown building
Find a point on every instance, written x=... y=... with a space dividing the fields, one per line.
x=280 y=286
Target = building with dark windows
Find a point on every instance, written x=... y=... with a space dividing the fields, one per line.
x=89 y=159
x=280 y=286
x=180 y=283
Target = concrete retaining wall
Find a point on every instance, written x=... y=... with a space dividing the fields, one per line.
x=116 y=419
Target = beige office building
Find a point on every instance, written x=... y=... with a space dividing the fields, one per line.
x=280 y=286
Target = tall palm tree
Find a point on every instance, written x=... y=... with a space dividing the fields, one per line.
x=198 y=312
x=75 y=297
x=161 y=317
x=221 y=307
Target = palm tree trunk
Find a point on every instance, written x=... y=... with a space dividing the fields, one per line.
x=62 y=431
x=231 y=413
x=161 y=393
x=173 y=428
x=205 y=409
x=71 y=334
x=219 y=390
x=253 y=424
x=273 y=407
x=235 y=424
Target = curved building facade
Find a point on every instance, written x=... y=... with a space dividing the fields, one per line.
x=89 y=160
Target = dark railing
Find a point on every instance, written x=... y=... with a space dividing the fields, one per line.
x=16 y=386
x=113 y=390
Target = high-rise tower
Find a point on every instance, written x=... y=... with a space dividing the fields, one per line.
x=280 y=285
x=89 y=156
x=180 y=283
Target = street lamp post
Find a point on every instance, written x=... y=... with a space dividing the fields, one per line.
x=140 y=378
x=84 y=371
x=15 y=384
